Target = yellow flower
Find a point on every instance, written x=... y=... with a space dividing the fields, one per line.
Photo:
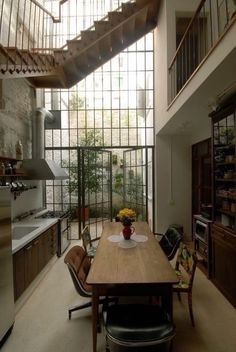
x=126 y=213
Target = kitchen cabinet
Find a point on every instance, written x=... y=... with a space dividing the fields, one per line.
x=19 y=272
x=224 y=264
x=31 y=259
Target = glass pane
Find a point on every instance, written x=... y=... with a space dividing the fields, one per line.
x=65 y=138
x=73 y=119
x=81 y=119
x=56 y=138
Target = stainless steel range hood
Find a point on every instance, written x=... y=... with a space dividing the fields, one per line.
x=42 y=169
x=39 y=168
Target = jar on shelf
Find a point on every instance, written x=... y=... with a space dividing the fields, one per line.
x=19 y=150
x=225 y=205
x=233 y=207
x=2 y=169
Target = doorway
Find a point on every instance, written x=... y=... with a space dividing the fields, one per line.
x=111 y=179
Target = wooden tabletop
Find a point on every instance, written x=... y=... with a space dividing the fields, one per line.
x=144 y=264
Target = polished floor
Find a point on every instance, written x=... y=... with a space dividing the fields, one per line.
x=42 y=324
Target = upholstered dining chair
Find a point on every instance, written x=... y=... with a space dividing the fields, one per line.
x=185 y=268
x=88 y=242
x=137 y=327
x=79 y=264
x=170 y=241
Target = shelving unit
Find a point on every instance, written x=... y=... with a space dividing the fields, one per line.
x=224 y=168
x=223 y=230
x=14 y=178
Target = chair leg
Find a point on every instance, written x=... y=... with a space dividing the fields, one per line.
x=107 y=345
x=171 y=346
x=73 y=309
x=190 y=307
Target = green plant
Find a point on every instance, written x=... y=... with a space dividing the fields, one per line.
x=118 y=183
x=92 y=169
x=76 y=102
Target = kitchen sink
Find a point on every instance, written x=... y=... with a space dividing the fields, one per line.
x=20 y=231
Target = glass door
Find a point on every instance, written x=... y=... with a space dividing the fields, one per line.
x=95 y=197
x=138 y=181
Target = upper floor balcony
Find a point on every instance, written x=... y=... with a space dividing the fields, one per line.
x=209 y=25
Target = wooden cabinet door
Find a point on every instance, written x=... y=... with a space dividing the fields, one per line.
x=224 y=264
x=31 y=261
x=43 y=251
x=54 y=240
x=19 y=273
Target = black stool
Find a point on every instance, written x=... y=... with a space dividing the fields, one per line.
x=137 y=327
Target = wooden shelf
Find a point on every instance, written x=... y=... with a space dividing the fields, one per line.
x=6 y=158
x=226 y=212
x=225 y=163
x=224 y=146
x=226 y=197
x=225 y=179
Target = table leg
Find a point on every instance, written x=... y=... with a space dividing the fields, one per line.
x=167 y=301
x=95 y=317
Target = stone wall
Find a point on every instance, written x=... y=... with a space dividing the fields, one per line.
x=18 y=104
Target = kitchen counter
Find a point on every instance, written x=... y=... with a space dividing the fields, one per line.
x=41 y=224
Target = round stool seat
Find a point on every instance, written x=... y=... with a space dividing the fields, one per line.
x=138 y=324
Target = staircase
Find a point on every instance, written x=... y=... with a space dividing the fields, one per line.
x=63 y=68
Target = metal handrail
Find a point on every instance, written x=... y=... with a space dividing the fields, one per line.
x=25 y=27
x=209 y=23
x=190 y=25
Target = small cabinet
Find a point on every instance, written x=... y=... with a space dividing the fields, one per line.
x=224 y=264
x=31 y=259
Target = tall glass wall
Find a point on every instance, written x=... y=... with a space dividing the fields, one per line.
x=110 y=108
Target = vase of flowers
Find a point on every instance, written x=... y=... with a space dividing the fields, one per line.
x=126 y=216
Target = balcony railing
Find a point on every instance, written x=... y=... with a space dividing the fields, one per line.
x=26 y=24
x=209 y=23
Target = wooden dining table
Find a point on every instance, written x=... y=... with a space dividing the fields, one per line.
x=142 y=270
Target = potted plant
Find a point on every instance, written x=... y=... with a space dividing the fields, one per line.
x=92 y=174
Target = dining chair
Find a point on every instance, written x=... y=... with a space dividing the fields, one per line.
x=88 y=242
x=79 y=265
x=139 y=327
x=185 y=268
x=170 y=241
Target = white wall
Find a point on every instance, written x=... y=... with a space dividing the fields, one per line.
x=173 y=180
x=28 y=200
